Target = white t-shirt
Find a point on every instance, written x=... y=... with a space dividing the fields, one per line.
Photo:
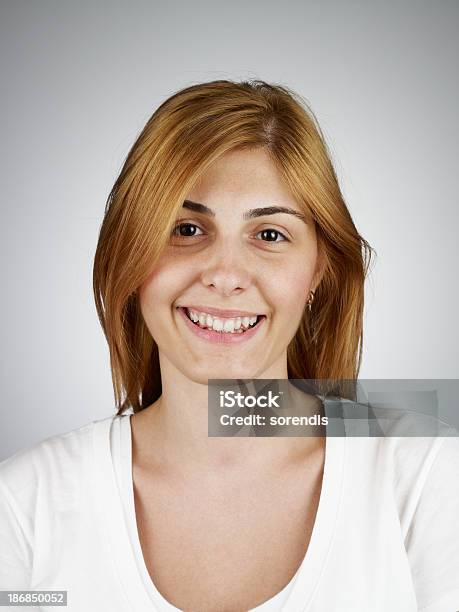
x=121 y=451
x=385 y=537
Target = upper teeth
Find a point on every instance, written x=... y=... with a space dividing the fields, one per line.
x=219 y=323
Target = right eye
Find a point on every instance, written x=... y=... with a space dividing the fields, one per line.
x=185 y=230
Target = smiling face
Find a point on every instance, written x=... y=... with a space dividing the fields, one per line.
x=221 y=260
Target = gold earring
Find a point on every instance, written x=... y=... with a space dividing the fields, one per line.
x=310 y=300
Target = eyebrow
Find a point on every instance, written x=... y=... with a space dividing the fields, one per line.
x=252 y=213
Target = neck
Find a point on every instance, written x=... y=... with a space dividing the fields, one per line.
x=174 y=430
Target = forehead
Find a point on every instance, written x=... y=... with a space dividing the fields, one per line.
x=242 y=176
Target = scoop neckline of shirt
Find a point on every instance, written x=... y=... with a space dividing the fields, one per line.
x=113 y=524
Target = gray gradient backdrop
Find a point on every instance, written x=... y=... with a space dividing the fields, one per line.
x=79 y=80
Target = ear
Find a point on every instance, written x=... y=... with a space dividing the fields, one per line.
x=319 y=271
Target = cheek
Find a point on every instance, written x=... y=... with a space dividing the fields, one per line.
x=161 y=288
x=301 y=279
x=290 y=283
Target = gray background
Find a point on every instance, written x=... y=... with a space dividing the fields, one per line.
x=79 y=80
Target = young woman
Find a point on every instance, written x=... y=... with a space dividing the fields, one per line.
x=227 y=252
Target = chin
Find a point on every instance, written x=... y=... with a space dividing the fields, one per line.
x=223 y=373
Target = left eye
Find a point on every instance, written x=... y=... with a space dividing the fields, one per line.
x=270 y=235
x=177 y=231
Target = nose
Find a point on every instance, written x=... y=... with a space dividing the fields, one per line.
x=226 y=270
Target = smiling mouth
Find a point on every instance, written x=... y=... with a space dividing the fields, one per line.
x=224 y=325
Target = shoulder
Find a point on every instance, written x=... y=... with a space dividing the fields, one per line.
x=405 y=470
x=430 y=527
x=418 y=478
x=414 y=458
x=53 y=464
x=413 y=444
x=420 y=467
x=40 y=485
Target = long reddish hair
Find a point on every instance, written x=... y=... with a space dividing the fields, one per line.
x=187 y=133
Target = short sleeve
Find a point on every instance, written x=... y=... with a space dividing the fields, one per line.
x=15 y=563
x=432 y=541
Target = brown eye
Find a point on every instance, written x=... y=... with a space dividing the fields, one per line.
x=187 y=230
x=270 y=235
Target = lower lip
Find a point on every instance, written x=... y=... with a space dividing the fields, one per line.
x=220 y=337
